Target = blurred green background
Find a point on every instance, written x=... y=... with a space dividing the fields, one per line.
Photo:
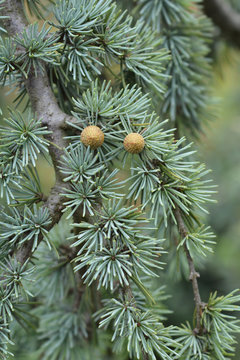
x=219 y=148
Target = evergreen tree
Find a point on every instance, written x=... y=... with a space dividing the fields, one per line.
x=80 y=269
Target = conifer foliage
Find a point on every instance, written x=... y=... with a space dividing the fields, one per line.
x=80 y=268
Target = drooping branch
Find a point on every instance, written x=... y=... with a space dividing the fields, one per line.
x=45 y=105
x=193 y=274
x=225 y=17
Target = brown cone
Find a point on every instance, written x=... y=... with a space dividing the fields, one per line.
x=92 y=136
x=134 y=143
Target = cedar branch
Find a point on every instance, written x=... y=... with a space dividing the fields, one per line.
x=44 y=104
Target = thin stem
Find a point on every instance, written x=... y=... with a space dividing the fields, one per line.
x=194 y=275
x=112 y=73
x=122 y=73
